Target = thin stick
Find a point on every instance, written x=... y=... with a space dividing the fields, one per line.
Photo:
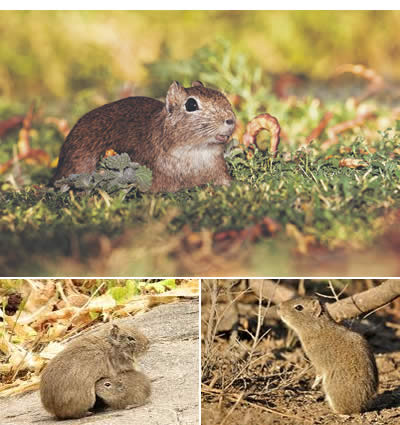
x=233 y=408
x=233 y=397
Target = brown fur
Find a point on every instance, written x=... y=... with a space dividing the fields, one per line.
x=127 y=389
x=341 y=357
x=180 y=147
x=67 y=385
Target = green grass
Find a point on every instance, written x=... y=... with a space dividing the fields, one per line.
x=334 y=209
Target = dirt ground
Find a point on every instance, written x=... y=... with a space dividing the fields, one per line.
x=270 y=383
x=171 y=363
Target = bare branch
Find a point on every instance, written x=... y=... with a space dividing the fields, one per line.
x=365 y=301
x=271 y=290
x=356 y=304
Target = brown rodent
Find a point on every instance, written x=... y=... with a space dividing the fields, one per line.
x=67 y=385
x=130 y=388
x=341 y=357
x=181 y=141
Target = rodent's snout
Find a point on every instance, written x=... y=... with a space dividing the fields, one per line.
x=226 y=130
x=230 y=124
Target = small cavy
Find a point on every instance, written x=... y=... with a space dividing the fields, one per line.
x=67 y=385
x=342 y=358
x=182 y=140
x=130 y=388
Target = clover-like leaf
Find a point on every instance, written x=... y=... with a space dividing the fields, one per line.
x=143 y=178
x=113 y=173
x=116 y=162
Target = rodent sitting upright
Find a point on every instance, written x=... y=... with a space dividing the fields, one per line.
x=67 y=385
x=181 y=141
x=127 y=389
x=341 y=357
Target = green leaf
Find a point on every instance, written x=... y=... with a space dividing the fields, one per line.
x=122 y=294
x=116 y=162
x=158 y=287
x=94 y=315
x=144 y=178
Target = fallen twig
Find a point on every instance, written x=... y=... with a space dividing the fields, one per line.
x=320 y=128
x=339 y=128
x=234 y=397
x=376 y=81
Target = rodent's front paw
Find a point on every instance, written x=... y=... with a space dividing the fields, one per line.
x=224 y=181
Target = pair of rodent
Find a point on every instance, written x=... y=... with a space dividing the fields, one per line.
x=342 y=358
x=181 y=141
x=98 y=369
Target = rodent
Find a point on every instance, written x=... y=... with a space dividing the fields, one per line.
x=181 y=141
x=67 y=385
x=342 y=358
x=130 y=388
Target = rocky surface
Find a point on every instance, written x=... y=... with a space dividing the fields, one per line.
x=172 y=363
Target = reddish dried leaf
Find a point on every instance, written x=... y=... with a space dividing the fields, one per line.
x=360 y=70
x=9 y=124
x=282 y=84
x=266 y=227
x=376 y=81
x=343 y=126
x=235 y=99
x=60 y=123
x=320 y=128
x=352 y=163
x=38 y=155
x=263 y=122
x=367 y=152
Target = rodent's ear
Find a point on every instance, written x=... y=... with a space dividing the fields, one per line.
x=174 y=94
x=114 y=332
x=316 y=308
x=197 y=83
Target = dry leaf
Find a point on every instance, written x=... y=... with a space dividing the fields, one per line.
x=51 y=350
x=102 y=303
x=19 y=386
x=352 y=163
x=303 y=241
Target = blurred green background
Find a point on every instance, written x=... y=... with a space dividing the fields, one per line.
x=58 y=53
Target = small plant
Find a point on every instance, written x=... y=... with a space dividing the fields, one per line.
x=114 y=173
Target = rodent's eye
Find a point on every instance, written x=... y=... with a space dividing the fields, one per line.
x=299 y=307
x=107 y=384
x=132 y=338
x=191 y=105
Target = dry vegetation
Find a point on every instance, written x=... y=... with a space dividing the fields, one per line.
x=254 y=371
